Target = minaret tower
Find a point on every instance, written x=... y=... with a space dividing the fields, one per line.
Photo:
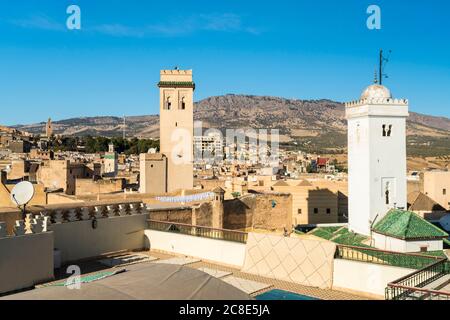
x=177 y=126
x=376 y=156
x=49 y=128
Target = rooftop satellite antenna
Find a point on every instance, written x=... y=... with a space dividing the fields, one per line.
x=21 y=194
x=382 y=65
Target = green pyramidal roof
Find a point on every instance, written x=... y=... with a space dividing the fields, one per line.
x=407 y=225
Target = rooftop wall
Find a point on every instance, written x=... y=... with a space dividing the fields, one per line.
x=117 y=227
x=25 y=261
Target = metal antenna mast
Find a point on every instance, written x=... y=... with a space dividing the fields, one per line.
x=382 y=64
x=124 y=127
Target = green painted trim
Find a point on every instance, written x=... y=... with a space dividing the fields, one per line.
x=172 y=84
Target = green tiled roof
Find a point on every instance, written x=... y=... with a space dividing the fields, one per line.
x=407 y=225
x=184 y=84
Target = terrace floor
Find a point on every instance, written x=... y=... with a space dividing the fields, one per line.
x=255 y=285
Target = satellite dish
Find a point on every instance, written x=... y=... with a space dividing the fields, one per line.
x=22 y=193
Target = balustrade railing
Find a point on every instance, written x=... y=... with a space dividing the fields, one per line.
x=198 y=231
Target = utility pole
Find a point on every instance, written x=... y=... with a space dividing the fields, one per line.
x=124 y=126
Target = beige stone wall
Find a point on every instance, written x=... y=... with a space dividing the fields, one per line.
x=63 y=174
x=54 y=174
x=304 y=261
x=17 y=170
x=305 y=199
x=436 y=185
x=203 y=215
x=180 y=215
x=257 y=211
x=210 y=184
x=89 y=186
x=153 y=173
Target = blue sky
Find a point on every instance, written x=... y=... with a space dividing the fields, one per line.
x=293 y=49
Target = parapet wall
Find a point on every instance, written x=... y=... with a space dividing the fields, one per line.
x=82 y=232
x=25 y=260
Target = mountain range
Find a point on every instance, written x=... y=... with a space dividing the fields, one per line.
x=314 y=125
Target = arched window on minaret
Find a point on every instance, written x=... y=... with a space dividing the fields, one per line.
x=384 y=130
x=168 y=103
x=389 y=130
x=386 y=193
x=182 y=104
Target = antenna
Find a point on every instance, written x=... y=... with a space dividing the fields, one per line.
x=21 y=194
x=124 y=127
x=383 y=61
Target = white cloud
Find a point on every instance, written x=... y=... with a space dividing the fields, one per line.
x=177 y=26
x=41 y=22
x=180 y=26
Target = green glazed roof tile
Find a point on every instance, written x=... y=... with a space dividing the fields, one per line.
x=407 y=225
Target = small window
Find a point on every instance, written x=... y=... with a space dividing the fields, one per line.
x=316 y=210
x=389 y=130
x=299 y=211
x=167 y=104
x=424 y=249
x=151 y=166
x=176 y=124
x=182 y=104
x=444 y=191
x=328 y=211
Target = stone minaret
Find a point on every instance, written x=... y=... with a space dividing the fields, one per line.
x=49 y=128
x=217 y=208
x=177 y=126
x=376 y=156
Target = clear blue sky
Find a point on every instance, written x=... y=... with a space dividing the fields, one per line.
x=292 y=49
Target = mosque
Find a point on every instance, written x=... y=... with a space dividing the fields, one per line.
x=377 y=175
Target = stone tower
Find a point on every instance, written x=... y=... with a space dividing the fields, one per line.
x=49 y=128
x=217 y=208
x=177 y=126
x=376 y=156
x=111 y=162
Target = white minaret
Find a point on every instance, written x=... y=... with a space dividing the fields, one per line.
x=376 y=156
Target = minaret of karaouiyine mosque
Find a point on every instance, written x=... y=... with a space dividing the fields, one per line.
x=177 y=126
x=376 y=156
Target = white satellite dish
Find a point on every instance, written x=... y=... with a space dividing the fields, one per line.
x=22 y=193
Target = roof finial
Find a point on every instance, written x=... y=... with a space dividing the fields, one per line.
x=375 y=80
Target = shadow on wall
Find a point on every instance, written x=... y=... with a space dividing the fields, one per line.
x=238 y=213
x=264 y=211
x=342 y=207
x=322 y=206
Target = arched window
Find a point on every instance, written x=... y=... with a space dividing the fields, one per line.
x=182 y=104
x=384 y=130
x=168 y=104
x=389 y=130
